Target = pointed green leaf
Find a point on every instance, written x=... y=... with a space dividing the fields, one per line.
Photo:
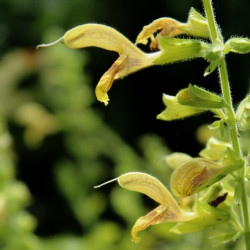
x=214 y=125
x=198 y=97
x=210 y=68
x=174 y=110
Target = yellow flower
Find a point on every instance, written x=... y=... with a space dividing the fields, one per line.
x=131 y=58
x=168 y=210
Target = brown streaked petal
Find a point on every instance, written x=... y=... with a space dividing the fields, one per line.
x=194 y=175
x=156 y=216
x=107 y=79
x=169 y=25
x=159 y=215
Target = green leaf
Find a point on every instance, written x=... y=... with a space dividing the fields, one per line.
x=237 y=45
x=174 y=50
x=198 y=97
x=174 y=110
x=210 y=68
x=214 y=125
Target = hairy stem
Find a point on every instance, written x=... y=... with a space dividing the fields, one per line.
x=231 y=121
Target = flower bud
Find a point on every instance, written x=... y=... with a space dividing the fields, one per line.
x=243 y=114
x=237 y=45
x=195 y=175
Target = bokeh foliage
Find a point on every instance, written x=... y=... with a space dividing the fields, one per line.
x=56 y=142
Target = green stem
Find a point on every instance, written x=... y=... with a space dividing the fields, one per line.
x=225 y=87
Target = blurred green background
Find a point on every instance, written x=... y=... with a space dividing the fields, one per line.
x=57 y=141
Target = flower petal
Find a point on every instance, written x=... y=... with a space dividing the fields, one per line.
x=194 y=175
x=107 y=79
x=159 y=215
x=97 y=35
x=148 y=185
x=156 y=216
x=169 y=26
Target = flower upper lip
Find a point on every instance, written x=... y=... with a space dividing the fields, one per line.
x=131 y=58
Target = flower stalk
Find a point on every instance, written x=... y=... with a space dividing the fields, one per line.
x=231 y=121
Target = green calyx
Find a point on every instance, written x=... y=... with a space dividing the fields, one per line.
x=174 y=110
x=237 y=45
x=196 y=25
x=198 y=97
x=174 y=50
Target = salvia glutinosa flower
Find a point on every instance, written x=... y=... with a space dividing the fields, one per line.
x=130 y=58
x=168 y=210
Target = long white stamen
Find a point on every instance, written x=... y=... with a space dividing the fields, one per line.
x=49 y=44
x=107 y=182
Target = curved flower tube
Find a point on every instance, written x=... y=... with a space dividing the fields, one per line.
x=168 y=210
x=131 y=58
